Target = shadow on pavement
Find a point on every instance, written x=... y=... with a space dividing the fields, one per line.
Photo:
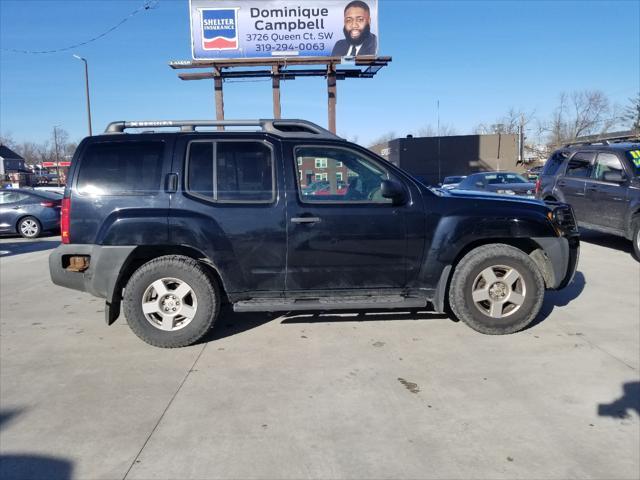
x=606 y=240
x=231 y=323
x=19 y=466
x=9 y=249
x=629 y=401
x=559 y=298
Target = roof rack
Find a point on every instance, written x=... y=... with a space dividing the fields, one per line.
x=282 y=128
x=606 y=139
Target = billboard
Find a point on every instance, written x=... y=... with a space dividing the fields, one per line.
x=223 y=29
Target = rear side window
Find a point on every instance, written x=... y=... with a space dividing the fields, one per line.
x=607 y=162
x=121 y=168
x=12 y=197
x=231 y=171
x=554 y=163
x=580 y=165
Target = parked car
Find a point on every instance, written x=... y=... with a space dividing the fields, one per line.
x=452 y=182
x=533 y=173
x=29 y=212
x=169 y=224
x=602 y=184
x=504 y=183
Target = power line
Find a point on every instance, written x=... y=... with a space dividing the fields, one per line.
x=147 y=5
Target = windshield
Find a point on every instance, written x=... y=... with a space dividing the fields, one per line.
x=634 y=158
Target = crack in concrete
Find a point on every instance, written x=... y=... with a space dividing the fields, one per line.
x=155 y=427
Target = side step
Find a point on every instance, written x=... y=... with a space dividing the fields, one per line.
x=329 y=303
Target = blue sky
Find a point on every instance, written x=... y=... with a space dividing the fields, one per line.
x=477 y=58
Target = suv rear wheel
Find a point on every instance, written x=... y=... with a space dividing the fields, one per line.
x=496 y=289
x=171 y=301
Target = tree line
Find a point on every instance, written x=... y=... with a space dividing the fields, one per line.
x=577 y=114
x=57 y=147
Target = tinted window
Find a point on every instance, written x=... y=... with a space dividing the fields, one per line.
x=580 y=165
x=606 y=162
x=201 y=168
x=327 y=174
x=123 y=168
x=238 y=171
x=554 y=163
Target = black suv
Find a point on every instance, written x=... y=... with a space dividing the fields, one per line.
x=602 y=184
x=173 y=224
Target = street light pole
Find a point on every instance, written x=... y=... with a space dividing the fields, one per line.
x=55 y=142
x=86 y=82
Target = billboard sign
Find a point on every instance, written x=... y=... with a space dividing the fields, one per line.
x=223 y=29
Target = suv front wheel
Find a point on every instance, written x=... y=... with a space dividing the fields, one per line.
x=636 y=236
x=496 y=289
x=171 y=301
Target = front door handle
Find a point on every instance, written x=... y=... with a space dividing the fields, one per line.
x=305 y=220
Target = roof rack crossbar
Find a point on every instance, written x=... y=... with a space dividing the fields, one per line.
x=605 y=139
x=284 y=128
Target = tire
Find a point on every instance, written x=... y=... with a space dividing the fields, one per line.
x=182 y=301
x=489 y=305
x=29 y=227
x=635 y=239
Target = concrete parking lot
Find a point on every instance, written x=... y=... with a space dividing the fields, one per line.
x=399 y=395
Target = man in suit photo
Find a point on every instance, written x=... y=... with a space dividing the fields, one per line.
x=357 y=32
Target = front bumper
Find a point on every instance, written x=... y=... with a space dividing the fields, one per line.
x=105 y=265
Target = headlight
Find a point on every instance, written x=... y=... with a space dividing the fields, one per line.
x=506 y=192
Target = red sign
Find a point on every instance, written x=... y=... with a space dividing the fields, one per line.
x=53 y=164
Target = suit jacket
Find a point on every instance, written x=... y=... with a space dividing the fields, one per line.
x=369 y=46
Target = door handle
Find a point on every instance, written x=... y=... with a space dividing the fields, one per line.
x=171 y=185
x=562 y=184
x=305 y=220
x=16 y=208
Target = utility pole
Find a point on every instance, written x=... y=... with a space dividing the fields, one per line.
x=86 y=85
x=55 y=142
x=521 y=139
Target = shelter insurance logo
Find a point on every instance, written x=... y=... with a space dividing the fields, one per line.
x=219 y=28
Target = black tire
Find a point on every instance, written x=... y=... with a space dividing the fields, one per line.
x=29 y=227
x=182 y=269
x=635 y=239
x=468 y=275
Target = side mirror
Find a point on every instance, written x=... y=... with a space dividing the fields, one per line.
x=617 y=177
x=393 y=190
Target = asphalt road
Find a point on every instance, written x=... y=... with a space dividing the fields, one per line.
x=307 y=396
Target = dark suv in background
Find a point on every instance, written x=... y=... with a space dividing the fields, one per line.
x=602 y=184
x=171 y=224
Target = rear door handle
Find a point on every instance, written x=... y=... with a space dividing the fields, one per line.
x=305 y=220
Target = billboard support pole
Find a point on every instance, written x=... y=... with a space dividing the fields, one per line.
x=332 y=92
x=217 y=79
x=275 y=82
x=279 y=69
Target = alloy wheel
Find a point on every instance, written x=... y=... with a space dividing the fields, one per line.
x=499 y=291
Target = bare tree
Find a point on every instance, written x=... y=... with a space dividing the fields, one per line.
x=384 y=138
x=631 y=114
x=581 y=113
x=508 y=123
